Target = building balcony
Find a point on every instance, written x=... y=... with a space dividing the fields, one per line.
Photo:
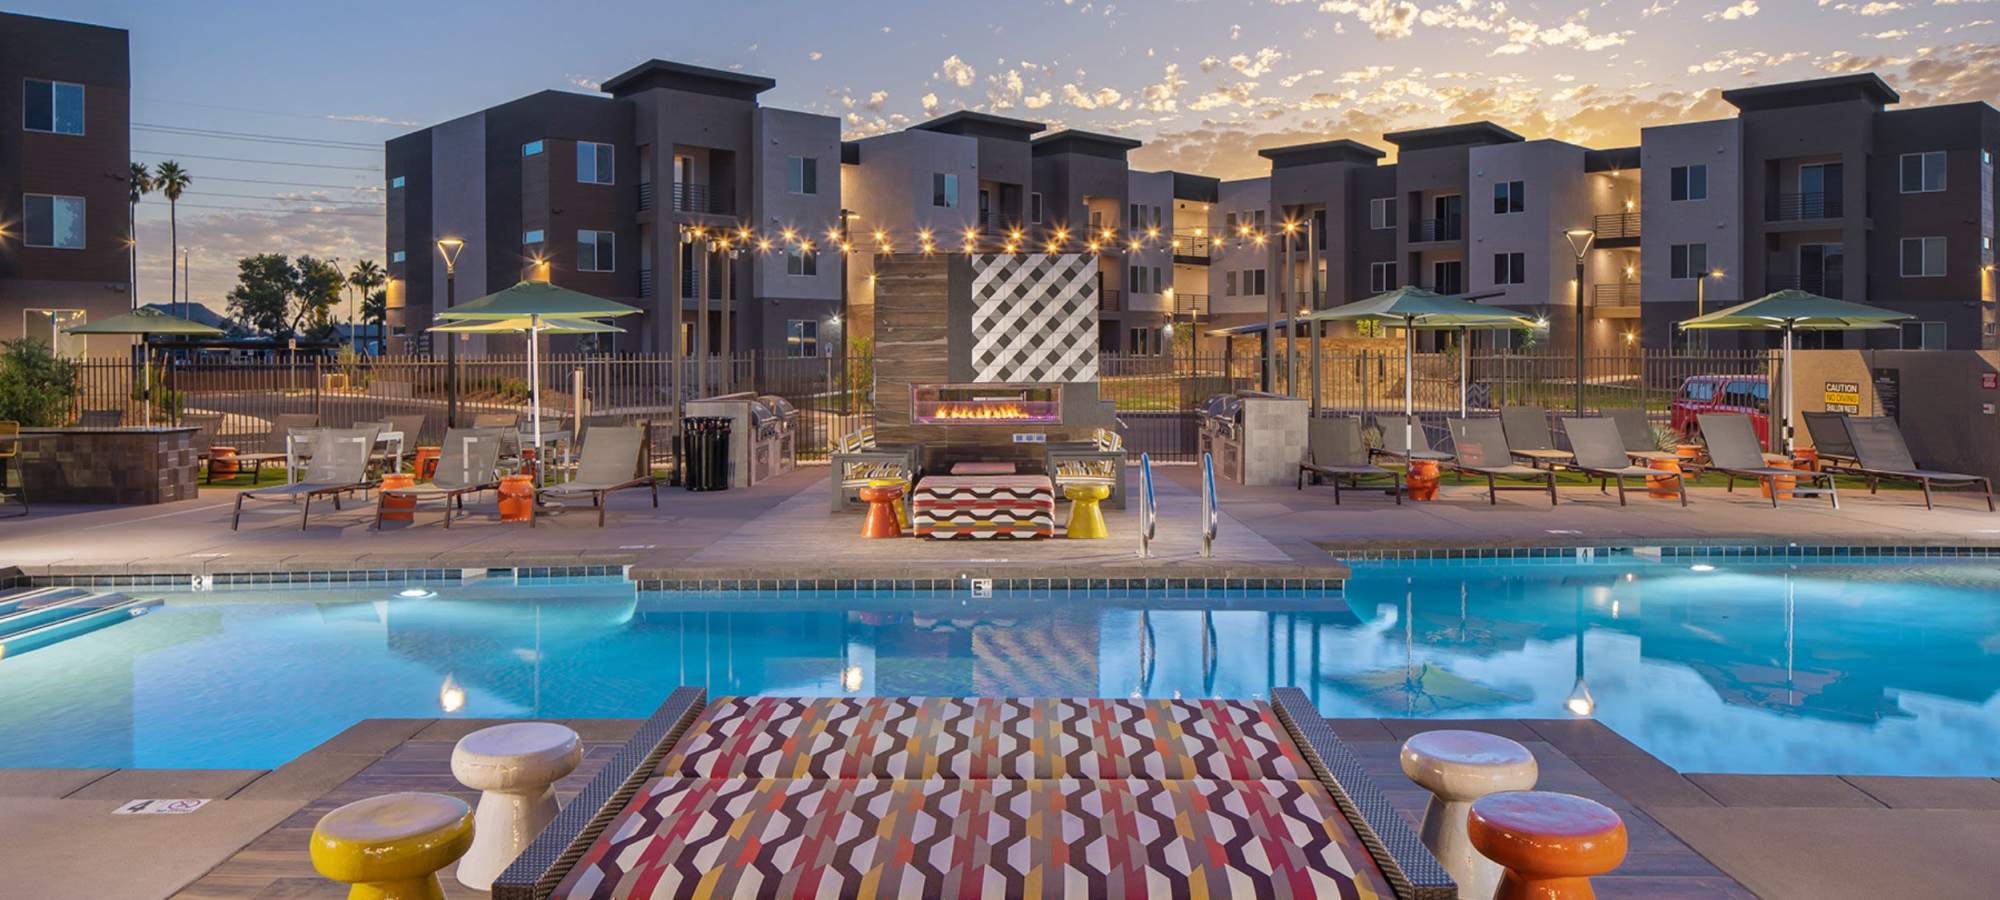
x=1193 y=306
x=1111 y=299
x=645 y=196
x=1804 y=207
x=1616 y=227
x=699 y=198
x=645 y=282
x=1425 y=231
x=1823 y=285
x=1191 y=248
x=1616 y=301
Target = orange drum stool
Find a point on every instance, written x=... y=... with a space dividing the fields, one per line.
x=397 y=507
x=881 y=520
x=1664 y=488
x=426 y=462
x=1423 y=479
x=1783 y=483
x=517 y=498
x=1548 y=844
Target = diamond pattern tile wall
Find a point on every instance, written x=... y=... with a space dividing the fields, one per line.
x=1034 y=318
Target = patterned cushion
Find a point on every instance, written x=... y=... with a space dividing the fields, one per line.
x=703 y=837
x=903 y=737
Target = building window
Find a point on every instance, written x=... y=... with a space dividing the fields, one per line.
x=1381 y=277
x=52 y=106
x=1229 y=224
x=802 y=175
x=596 y=251
x=53 y=221
x=1142 y=341
x=1257 y=223
x=1923 y=336
x=801 y=262
x=1382 y=213
x=52 y=326
x=1035 y=207
x=534 y=236
x=1923 y=173
x=1688 y=182
x=1229 y=283
x=1253 y=282
x=594 y=163
x=944 y=190
x=398 y=256
x=801 y=338
x=1448 y=276
x=1923 y=257
x=531 y=148
x=1687 y=260
x=1136 y=275
x=1158 y=285
x=1510 y=268
x=1508 y=197
x=396 y=183
x=1135 y=218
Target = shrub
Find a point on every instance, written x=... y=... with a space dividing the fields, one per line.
x=37 y=387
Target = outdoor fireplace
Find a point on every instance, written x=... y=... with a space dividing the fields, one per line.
x=986 y=404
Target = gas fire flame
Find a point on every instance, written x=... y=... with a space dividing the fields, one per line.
x=977 y=411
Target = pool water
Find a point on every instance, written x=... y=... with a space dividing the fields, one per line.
x=1876 y=667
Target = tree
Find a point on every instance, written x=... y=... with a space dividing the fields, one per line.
x=36 y=386
x=316 y=287
x=141 y=184
x=262 y=298
x=366 y=277
x=170 y=179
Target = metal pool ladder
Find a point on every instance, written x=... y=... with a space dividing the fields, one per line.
x=1149 y=510
x=1210 y=518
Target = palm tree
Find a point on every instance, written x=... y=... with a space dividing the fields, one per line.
x=365 y=277
x=141 y=183
x=375 y=311
x=170 y=179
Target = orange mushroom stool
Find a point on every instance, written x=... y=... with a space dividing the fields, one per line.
x=425 y=463
x=397 y=507
x=517 y=498
x=881 y=520
x=1661 y=487
x=1549 y=844
x=1422 y=479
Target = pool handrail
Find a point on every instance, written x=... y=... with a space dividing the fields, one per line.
x=1149 y=510
x=1210 y=519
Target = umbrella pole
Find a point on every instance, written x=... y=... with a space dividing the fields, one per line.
x=1785 y=372
x=1409 y=394
x=146 y=366
x=1464 y=368
x=535 y=392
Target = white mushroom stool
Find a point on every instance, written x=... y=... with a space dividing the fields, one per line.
x=515 y=766
x=1458 y=767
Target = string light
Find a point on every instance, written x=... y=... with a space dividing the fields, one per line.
x=1014 y=241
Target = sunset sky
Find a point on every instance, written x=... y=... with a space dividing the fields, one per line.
x=1204 y=83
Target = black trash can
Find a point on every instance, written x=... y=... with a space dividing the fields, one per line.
x=705 y=453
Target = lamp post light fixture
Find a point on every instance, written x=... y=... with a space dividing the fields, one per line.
x=1579 y=240
x=449 y=248
x=1701 y=300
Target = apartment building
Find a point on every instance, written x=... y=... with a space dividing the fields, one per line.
x=65 y=150
x=600 y=193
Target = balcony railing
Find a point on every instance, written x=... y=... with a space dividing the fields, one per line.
x=1821 y=284
x=1804 y=207
x=1194 y=306
x=1111 y=299
x=1614 y=226
x=1623 y=295
x=695 y=198
x=1446 y=229
x=645 y=196
x=645 y=282
x=1191 y=247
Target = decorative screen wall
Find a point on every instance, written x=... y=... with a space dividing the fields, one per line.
x=1034 y=318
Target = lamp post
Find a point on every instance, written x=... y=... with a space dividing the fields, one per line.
x=1579 y=240
x=450 y=248
x=1701 y=300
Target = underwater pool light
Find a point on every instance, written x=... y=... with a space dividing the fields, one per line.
x=416 y=593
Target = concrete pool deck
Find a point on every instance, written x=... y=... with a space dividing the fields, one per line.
x=781 y=529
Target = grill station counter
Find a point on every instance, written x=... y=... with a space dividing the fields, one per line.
x=763 y=438
x=1255 y=437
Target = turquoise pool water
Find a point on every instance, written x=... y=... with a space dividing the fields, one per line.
x=1873 y=667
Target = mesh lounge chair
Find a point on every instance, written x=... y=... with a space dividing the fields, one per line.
x=1830 y=438
x=468 y=462
x=615 y=458
x=1881 y=454
x=1636 y=434
x=1394 y=445
x=1482 y=450
x=339 y=465
x=1334 y=451
x=274 y=445
x=206 y=427
x=1733 y=450
x=1600 y=453
x=1527 y=432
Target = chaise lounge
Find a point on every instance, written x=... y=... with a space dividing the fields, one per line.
x=1733 y=450
x=468 y=462
x=1600 y=454
x=616 y=457
x=1334 y=451
x=339 y=465
x=1482 y=450
x=1881 y=455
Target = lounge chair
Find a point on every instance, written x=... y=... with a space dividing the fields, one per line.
x=1601 y=454
x=1881 y=454
x=282 y=426
x=1334 y=451
x=1636 y=433
x=1831 y=440
x=339 y=465
x=1527 y=431
x=468 y=462
x=1396 y=447
x=206 y=427
x=1482 y=450
x=682 y=809
x=1734 y=451
x=615 y=458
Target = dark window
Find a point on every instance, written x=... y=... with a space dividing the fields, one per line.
x=1507 y=197
x=1035 y=207
x=1688 y=182
x=1687 y=260
x=944 y=190
x=1923 y=172
x=1510 y=268
x=52 y=106
x=801 y=338
x=802 y=175
x=801 y=262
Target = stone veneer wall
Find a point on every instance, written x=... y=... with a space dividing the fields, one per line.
x=127 y=466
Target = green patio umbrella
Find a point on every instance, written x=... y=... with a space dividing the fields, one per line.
x=1412 y=308
x=533 y=326
x=1795 y=310
x=538 y=298
x=145 y=323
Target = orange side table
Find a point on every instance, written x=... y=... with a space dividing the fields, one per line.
x=881 y=519
x=1548 y=844
x=1422 y=479
x=1807 y=458
x=1663 y=488
x=426 y=462
x=517 y=498
x=1783 y=483
x=221 y=461
x=397 y=508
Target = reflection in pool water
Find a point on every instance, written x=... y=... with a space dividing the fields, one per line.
x=1872 y=667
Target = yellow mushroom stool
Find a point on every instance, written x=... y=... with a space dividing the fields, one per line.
x=1086 y=520
x=902 y=511
x=391 y=847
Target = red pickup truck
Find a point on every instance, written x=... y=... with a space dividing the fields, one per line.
x=1746 y=394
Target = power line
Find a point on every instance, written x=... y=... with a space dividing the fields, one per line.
x=303 y=184
x=272 y=112
x=261 y=162
x=310 y=212
x=255 y=136
x=286 y=199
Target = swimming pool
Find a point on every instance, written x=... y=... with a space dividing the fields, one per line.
x=1878 y=666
